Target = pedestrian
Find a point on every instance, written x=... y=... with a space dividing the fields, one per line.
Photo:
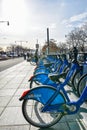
x=75 y=53
x=36 y=56
x=24 y=56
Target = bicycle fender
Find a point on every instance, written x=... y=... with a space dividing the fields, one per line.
x=38 y=76
x=40 y=93
x=24 y=94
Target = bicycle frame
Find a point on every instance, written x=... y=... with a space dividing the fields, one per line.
x=83 y=97
x=70 y=107
x=61 y=87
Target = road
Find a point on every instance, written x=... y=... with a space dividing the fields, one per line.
x=9 y=63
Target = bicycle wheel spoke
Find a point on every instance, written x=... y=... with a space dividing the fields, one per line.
x=32 y=113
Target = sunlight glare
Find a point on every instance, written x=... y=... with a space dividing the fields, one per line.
x=16 y=12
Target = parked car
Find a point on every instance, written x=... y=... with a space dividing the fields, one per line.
x=3 y=57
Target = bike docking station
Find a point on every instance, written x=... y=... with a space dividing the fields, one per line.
x=51 y=102
x=14 y=81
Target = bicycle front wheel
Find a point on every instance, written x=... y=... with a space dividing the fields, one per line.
x=32 y=112
x=32 y=61
x=75 y=79
x=81 y=84
x=33 y=83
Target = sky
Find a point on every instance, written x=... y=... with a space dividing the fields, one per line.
x=29 y=20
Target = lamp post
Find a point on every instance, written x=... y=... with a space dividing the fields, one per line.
x=4 y=22
x=48 y=39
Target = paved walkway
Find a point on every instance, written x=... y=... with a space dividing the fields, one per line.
x=13 y=82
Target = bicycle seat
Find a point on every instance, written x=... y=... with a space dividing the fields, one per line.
x=56 y=77
x=48 y=64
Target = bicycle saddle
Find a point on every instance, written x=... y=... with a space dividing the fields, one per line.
x=48 y=64
x=56 y=77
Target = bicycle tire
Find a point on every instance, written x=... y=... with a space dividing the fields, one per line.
x=32 y=82
x=81 y=84
x=32 y=61
x=75 y=79
x=38 y=118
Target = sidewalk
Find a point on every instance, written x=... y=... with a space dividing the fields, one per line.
x=13 y=82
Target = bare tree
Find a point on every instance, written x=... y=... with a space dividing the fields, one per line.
x=76 y=37
x=52 y=46
x=62 y=47
x=84 y=28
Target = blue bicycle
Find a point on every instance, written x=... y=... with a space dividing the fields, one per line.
x=49 y=67
x=51 y=78
x=39 y=61
x=44 y=106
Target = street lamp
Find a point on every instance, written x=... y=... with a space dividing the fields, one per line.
x=4 y=22
x=48 y=39
x=8 y=23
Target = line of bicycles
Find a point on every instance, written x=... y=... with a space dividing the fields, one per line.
x=47 y=100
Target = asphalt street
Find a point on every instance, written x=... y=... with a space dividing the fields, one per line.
x=9 y=63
